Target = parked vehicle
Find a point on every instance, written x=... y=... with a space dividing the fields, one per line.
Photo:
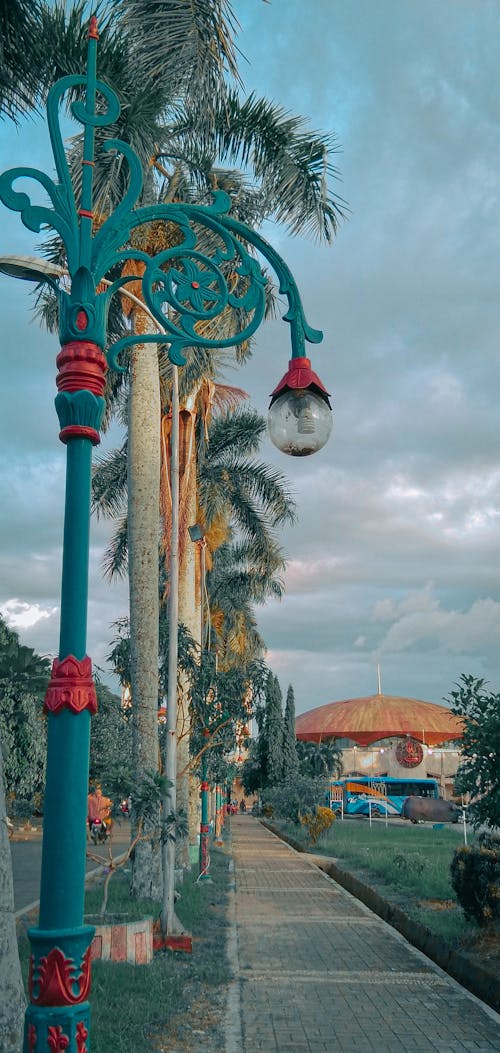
x=382 y=794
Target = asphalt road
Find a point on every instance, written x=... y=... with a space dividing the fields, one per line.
x=26 y=851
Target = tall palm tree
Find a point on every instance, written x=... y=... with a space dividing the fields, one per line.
x=241 y=577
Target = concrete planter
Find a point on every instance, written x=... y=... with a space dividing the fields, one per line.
x=117 y=939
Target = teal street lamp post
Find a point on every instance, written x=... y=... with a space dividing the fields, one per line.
x=183 y=289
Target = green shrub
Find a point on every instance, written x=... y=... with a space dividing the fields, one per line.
x=317 y=823
x=294 y=797
x=475 y=876
x=409 y=864
x=22 y=808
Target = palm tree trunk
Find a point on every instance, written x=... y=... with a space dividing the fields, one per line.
x=189 y=615
x=143 y=540
x=12 y=998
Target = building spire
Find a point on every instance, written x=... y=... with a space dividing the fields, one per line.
x=379 y=682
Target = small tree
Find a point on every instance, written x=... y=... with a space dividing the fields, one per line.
x=252 y=774
x=479 y=771
x=273 y=733
x=147 y=797
x=23 y=678
x=290 y=756
x=295 y=797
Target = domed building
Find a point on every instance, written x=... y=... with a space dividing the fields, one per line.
x=389 y=735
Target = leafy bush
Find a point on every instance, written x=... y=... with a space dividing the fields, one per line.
x=479 y=771
x=294 y=797
x=475 y=876
x=22 y=808
x=317 y=823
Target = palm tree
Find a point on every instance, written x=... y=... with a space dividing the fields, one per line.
x=320 y=758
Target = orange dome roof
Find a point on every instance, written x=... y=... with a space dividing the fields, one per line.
x=365 y=720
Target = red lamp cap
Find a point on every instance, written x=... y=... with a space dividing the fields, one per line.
x=300 y=375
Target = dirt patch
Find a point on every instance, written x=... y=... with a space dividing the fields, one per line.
x=199 y=1028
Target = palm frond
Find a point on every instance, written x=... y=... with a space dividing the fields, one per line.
x=23 y=66
x=109 y=483
x=290 y=163
x=115 y=561
x=194 y=44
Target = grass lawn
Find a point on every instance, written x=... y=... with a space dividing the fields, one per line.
x=411 y=862
x=133 y=1007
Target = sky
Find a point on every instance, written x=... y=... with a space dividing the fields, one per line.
x=394 y=558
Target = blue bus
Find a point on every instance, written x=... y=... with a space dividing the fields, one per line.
x=355 y=793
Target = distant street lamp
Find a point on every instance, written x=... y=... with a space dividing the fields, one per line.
x=184 y=290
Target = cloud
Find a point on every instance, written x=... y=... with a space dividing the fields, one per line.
x=21 y=615
x=419 y=623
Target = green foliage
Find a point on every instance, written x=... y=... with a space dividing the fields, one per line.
x=317 y=823
x=221 y=703
x=119 y=655
x=24 y=676
x=272 y=733
x=475 y=876
x=294 y=797
x=320 y=758
x=111 y=736
x=479 y=771
x=23 y=64
x=251 y=772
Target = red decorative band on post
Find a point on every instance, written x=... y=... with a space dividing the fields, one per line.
x=205 y=786
x=57 y=980
x=71 y=686
x=93 y=31
x=82 y=366
x=205 y=828
x=79 y=431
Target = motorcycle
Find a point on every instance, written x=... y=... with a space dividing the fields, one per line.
x=99 y=831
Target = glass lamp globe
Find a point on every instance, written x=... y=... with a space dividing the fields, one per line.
x=299 y=422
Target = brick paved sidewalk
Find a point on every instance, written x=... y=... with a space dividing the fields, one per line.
x=317 y=972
